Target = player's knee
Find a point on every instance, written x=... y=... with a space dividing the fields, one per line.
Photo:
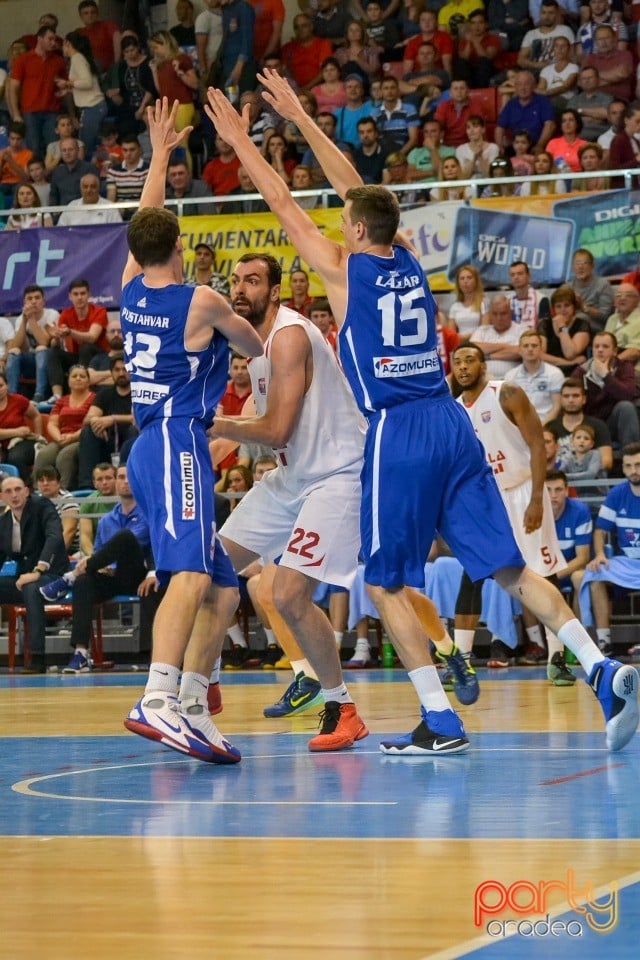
x=291 y=597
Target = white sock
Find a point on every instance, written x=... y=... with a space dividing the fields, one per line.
x=303 y=666
x=429 y=689
x=338 y=694
x=215 y=673
x=464 y=640
x=338 y=634
x=574 y=636
x=70 y=577
x=193 y=685
x=83 y=651
x=553 y=644
x=271 y=637
x=535 y=635
x=162 y=676
x=236 y=635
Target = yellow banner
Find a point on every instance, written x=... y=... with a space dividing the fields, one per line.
x=233 y=235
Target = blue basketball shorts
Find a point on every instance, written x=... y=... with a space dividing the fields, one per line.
x=425 y=472
x=170 y=474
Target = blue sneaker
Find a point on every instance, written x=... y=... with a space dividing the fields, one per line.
x=463 y=677
x=439 y=732
x=79 y=663
x=156 y=716
x=300 y=695
x=55 y=590
x=616 y=687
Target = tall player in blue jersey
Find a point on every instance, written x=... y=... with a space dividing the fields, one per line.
x=424 y=468
x=176 y=346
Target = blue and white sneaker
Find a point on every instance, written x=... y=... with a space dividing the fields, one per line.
x=439 y=732
x=300 y=695
x=157 y=716
x=79 y=663
x=55 y=590
x=196 y=716
x=462 y=676
x=616 y=687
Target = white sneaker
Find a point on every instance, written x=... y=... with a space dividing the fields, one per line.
x=156 y=716
x=361 y=655
x=195 y=714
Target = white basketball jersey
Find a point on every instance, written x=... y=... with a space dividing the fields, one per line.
x=507 y=453
x=328 y=437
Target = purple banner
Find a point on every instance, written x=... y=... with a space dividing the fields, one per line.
x=54 y=256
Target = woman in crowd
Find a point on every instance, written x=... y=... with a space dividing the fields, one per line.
x=26 y=197
x=477 y=154
x=450 y=170
x=65 y=425
x=20 y=425
x=564 y=149
x=500 y=168
x=470 y=308
x=276 y=153
x=590 y=156
x=175 y=77
x=565 y=336
x=238 y=480
x=330 y=94
x=136 y=88
x=358 y=56
x=84 y=86
x=542 y=165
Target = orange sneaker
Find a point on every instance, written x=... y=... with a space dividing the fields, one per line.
x=340 y=727
x=214 y=699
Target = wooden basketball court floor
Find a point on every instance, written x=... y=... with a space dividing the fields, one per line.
x=114 y=847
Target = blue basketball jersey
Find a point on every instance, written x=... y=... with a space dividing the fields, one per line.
x=388 y=342
x=166 y=381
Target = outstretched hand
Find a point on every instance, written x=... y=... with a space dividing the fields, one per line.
x=229 y=124
x=279 y=93
x=162 y=126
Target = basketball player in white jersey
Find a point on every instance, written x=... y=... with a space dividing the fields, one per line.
x=307 y=510
x=511 y=434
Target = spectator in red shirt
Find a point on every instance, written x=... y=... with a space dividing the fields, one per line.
x=221 y=173
x=31 y=94
x=19 y=423
x=65 y=426
x=80 y=334
x=300 y=301
x=477 y=50
x=429 y=33
x=46 y=20
x=103 y=35
x=267 y=30
x=454 y=113
x=233 y=400
x=304 y=55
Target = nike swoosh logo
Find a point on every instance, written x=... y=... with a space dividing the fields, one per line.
x=445 y=743
x=167 y=724
x=299 y=701
x=205 y=685
x=163 y=673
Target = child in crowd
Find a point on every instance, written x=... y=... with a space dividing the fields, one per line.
x=108 y=152
x=65 y=127
x=582 y=462
x=14 y=160
x=522 y=159
x=321 y=316
x=38 y=179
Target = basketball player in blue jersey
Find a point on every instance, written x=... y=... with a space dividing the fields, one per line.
x=424 y=469
x=176 y=346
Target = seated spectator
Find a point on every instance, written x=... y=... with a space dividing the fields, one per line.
x=498 y=339
x=27 y=351
x=261 y=121
x=354 y=110
x=397 y=120
x=109 y=429
x=599 y=12
x=574 y=528
x=559 y=78
x=134 y=91
x=617 y=520
x=454 y=113
x=303 y=56
x=450 y=171
x=26 y=197
x=121 y=563
x=591 y=103
x=276 y=154
x=205 y=272
x=291 y=133
x=523 y=159
x=499 y=169
x=615 y=120
x=543 y=166
x=331 y=93
x=537 y=48
x=477 y=50
x=94 y=506
x=327 y=123
x=14 y=159
x=624 y=323
x=248 y=205
x=65 y=426
x=47 y=482
x=582 y=461
x=429 y=33
x=369 y=157
x=321 y=316
x=454 y=16
x=551 y=447
x=528 y=305
x=301 y=180
x=612 y=389
x=528 y=111
x=424 y=85
x=238 y=480
x=108 y=150
x=615 y=67
x=91 y=208
x=476 y=154
x=594 y=294
x=396 y=172
x=125 y=181
x=300 y=301
x=540 y=381
x=624 y=151
x=573 y=399
x=383 y=32
x=590 y=157
x=564 y=149
x=358 y=56
x=20 y=426
x=100 y=365
x=78 y=336
x=38 y=179
x=30 y=534
x=182 y=186
x=65 y=179
x=565 y=336
x=221 y=173
x=470 y=308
